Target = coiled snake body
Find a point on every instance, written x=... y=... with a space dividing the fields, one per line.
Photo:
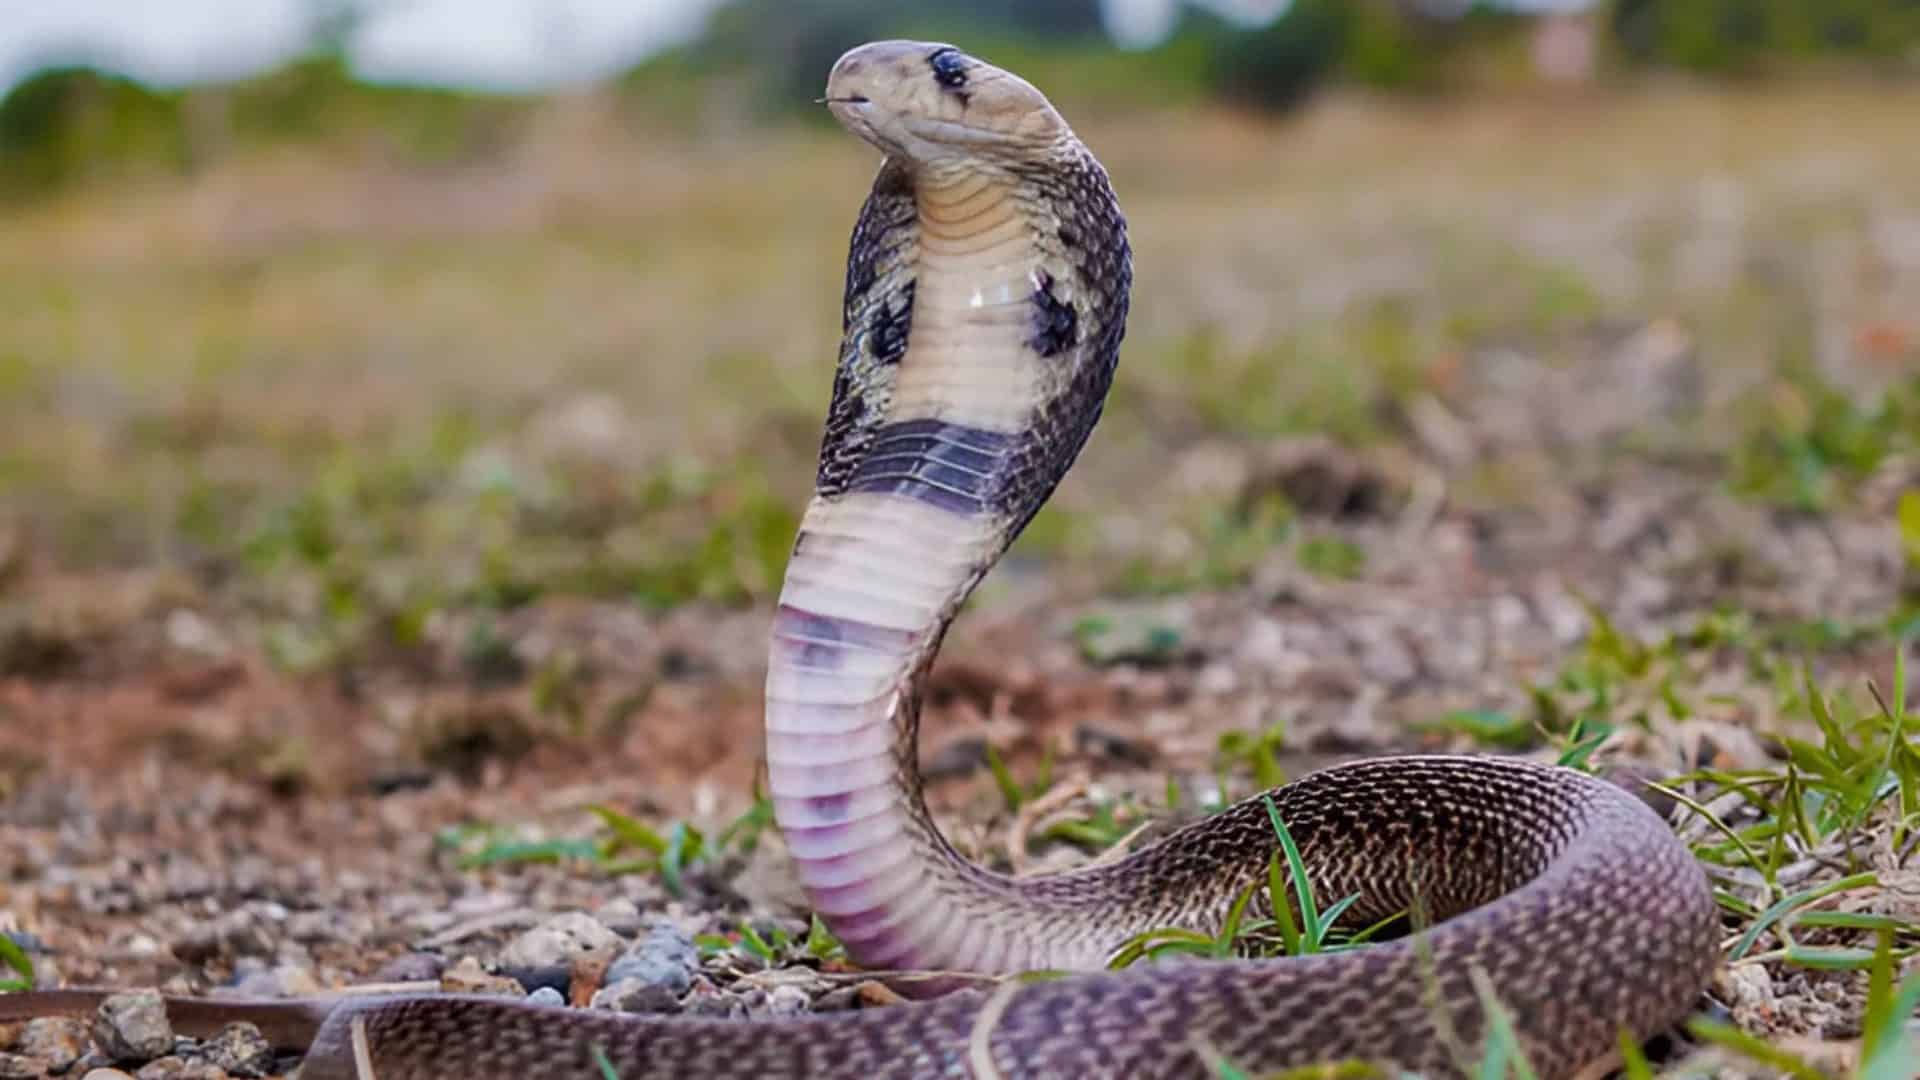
x=986 y=297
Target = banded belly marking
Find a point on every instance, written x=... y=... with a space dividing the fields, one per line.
x=813 y=638
x=951 y=466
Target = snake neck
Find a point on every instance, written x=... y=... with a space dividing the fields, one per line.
x=942 y=482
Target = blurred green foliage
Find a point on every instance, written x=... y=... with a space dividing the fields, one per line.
x=1811 y=444
x=66 y=123
x=1747 y=36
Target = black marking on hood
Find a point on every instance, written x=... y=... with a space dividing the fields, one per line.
x=890 y=326
x=1055 y=326
x=877 y=314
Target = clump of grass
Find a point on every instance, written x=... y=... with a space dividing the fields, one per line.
x=1229 y=544
x=1288 y=889
x=1013 y=793
x=1810 y=443
x=348 y=562
x=626 y=845
x=776 y=947
x=1332 y=557
x=1255 y=752
x=1856 y=785
x=1106 y=823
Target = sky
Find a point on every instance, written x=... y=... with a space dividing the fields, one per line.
x=496 y=44
x=503 y=44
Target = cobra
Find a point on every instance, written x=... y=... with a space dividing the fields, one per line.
x=987 y=288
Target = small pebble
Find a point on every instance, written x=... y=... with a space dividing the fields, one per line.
x=285 y=981
x=876 y=994
x=665 y=957
x=546 y=995
x=620 y=915
x=19 y=1067
x=533 y=978
x=56 y=1042
x=174 y=1068
x=556 y=942
x=706 y=1000
x=467 y=977
x=240 y=1049
x=788 y=1001
x=133 y=1026
x=241 y=932
x=636 y=996
x=105 y=1074
x=411 y=967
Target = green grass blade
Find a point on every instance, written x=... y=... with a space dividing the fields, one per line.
x=17 y=959
x=1003 y=779
x=1728 y=1037
x=1282 y=911
x=1230 y=932
x=629 y=831
x=1302 y=887
x=1332 y=915
x=1633 y=1060
x=1503 y=1052
x=1793 y=900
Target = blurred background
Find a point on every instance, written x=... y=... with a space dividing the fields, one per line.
x=413 y=361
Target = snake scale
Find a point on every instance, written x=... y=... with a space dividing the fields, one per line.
x=986 y=297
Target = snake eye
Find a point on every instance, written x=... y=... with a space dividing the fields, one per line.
x=949 y=67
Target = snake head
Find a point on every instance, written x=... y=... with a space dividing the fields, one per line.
x=937 y=108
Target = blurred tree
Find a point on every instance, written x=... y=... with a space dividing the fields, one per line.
x=1280 y=64
x=1746 y=36
x=788 y=48
x=71 y=123
x=1386 y=44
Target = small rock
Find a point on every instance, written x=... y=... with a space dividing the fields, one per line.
x=558 y=941
x=310 y=927
x=531 y=979
x=864 y=995
x=1749 y=991
x=468 y=977
x=133 y=1026
x=546 y=995
x=788 y=1000
x=55 y=1042
x=105 y=1074
x=411 y=967
x=708 y=1000
x=240 y=1049
x=876 y=994
x=19 y=1067
x=665 y=957
x=620 y=915
x=236 y=933
x=176 y=1068
x=839 y=999
x=286 y=981
x=636 y=996
x=190 y=631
